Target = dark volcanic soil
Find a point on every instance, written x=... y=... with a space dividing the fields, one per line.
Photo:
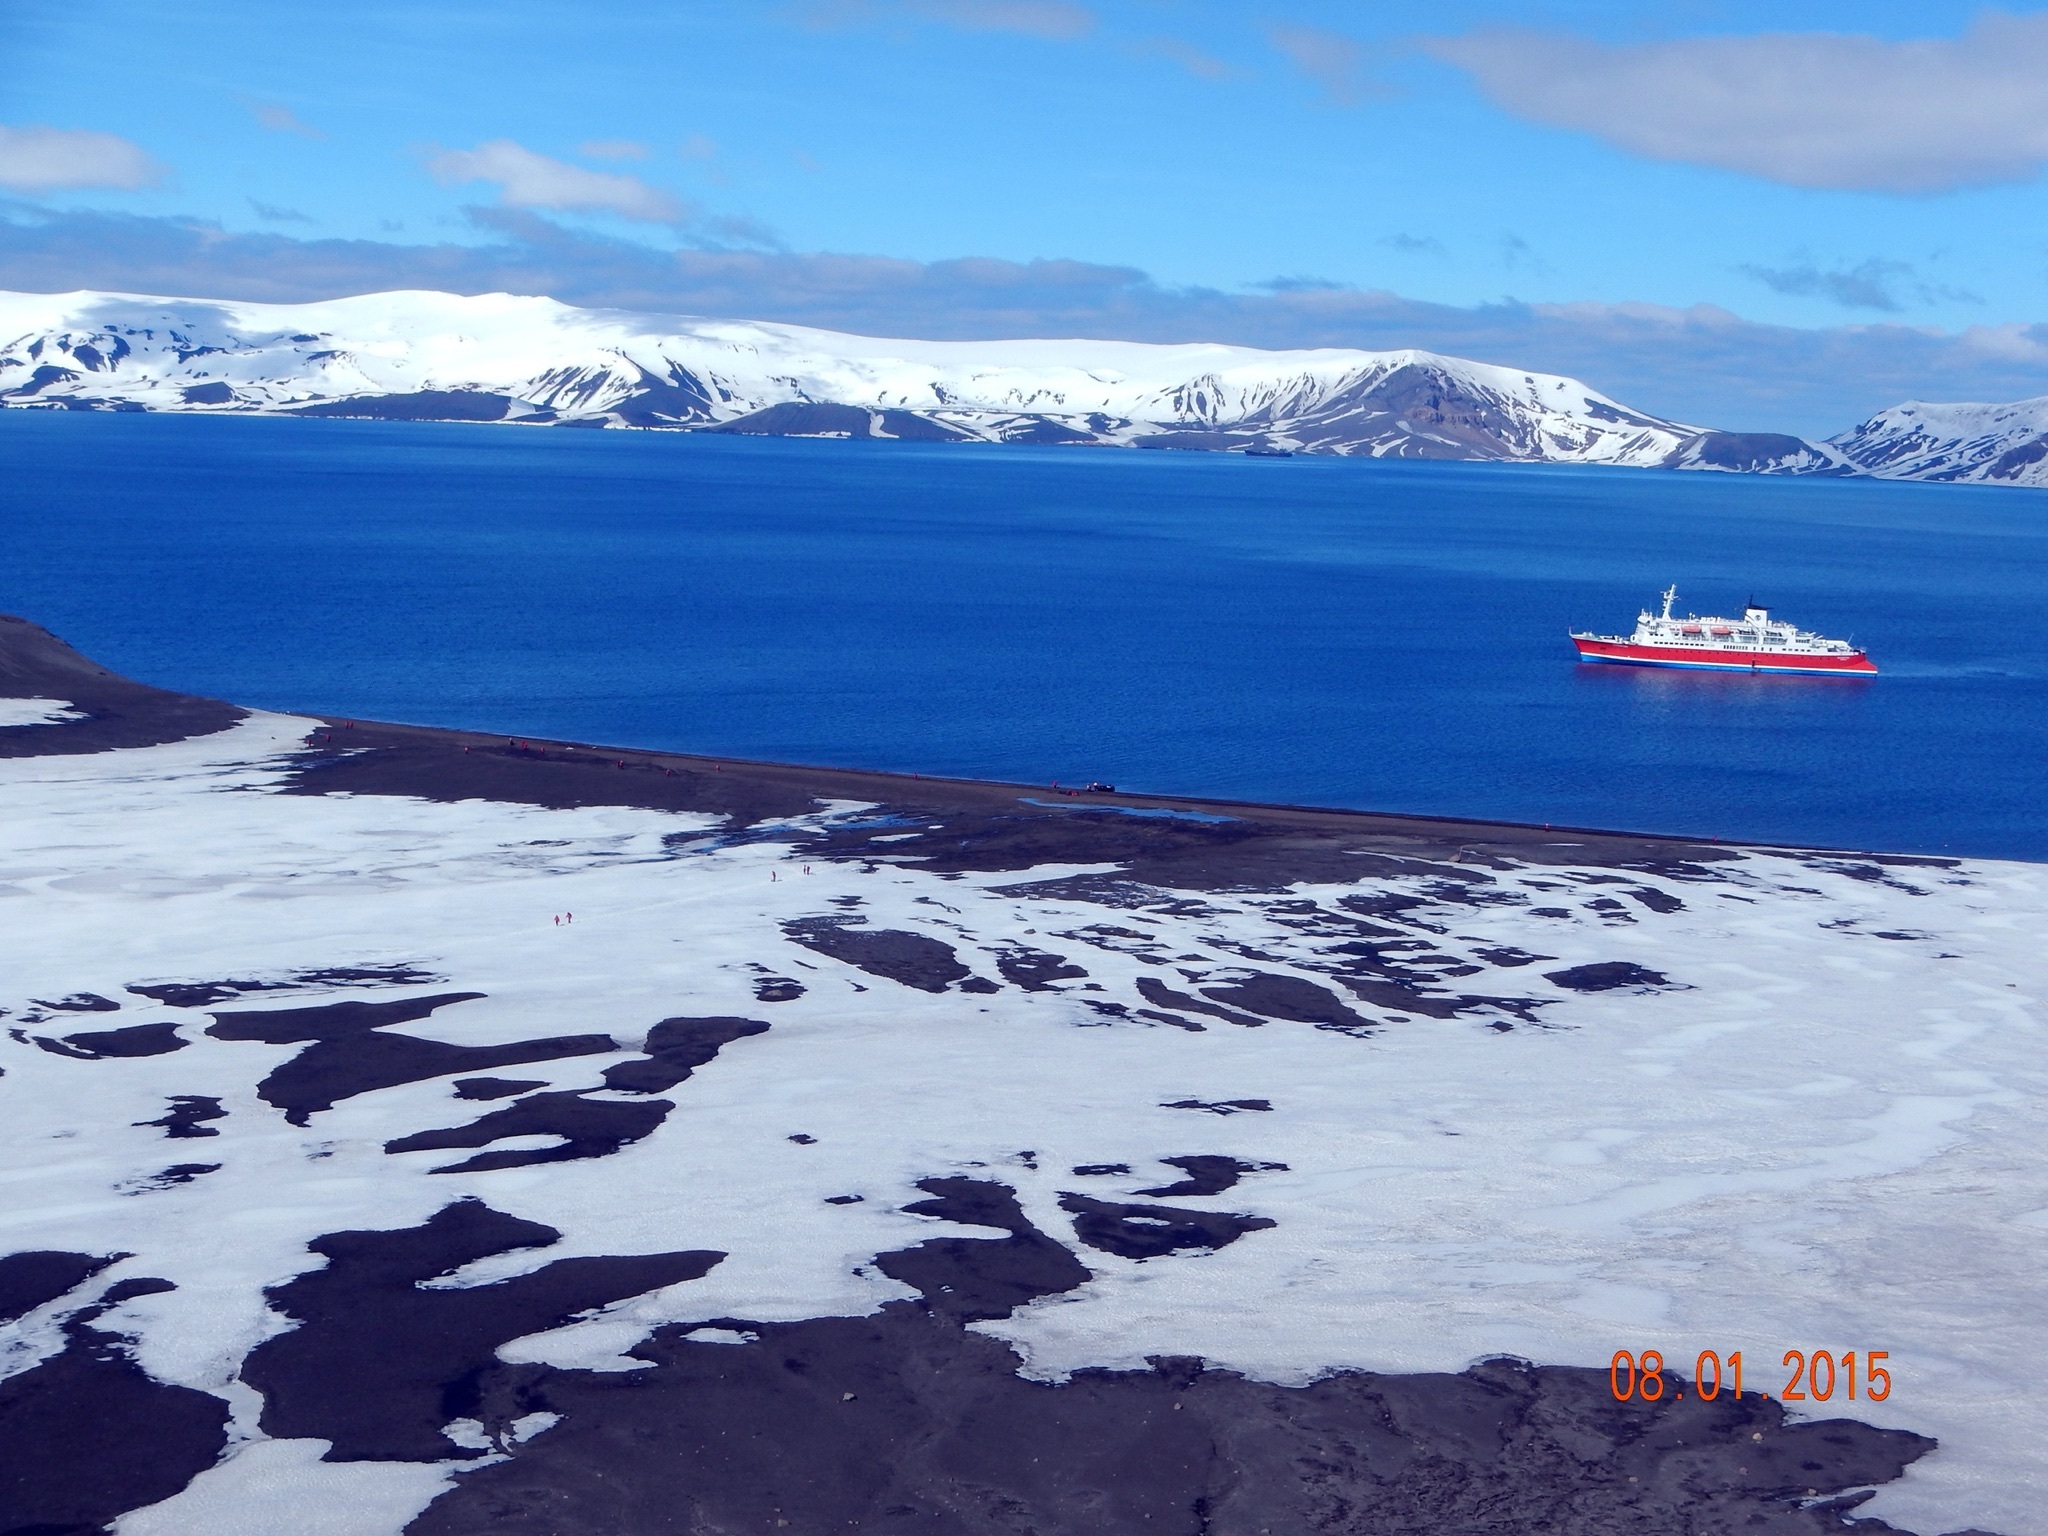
x=88 y=1435
x=349 y=1053
x=35 y=664
x=905 y=1423
x=376 y=1361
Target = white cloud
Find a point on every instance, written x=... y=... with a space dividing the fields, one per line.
x=1034 y=18
x=1058 y=20
x=279 y=118
x=1332 y=60
x=612 y=149
x=529 y=180
x=52 y=159
x=1203 y=66
x=1809 y=109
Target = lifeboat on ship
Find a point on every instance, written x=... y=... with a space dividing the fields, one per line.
x=1756 y=642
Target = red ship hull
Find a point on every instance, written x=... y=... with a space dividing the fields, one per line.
x=1854 y=664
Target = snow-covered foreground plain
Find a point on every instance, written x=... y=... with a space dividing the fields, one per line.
x=1821 y=1131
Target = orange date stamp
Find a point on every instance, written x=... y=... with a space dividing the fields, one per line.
x=1815 y=1377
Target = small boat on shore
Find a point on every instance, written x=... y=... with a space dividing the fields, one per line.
x=1756 y=642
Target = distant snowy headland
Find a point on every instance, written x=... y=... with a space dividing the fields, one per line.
x=424 y=356
x=505 y=358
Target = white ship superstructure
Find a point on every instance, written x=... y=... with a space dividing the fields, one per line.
x=1756 y=642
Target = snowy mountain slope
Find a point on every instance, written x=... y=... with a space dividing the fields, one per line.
x=500 y=357
x=1989 y=444
x=1760 y=453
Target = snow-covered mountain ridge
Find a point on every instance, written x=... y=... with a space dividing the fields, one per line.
x=424 y=356
x=501 y=357
x=1986 y=444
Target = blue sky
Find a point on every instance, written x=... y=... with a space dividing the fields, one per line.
x=1754 y=215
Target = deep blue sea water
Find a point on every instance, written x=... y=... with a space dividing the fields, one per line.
x=1379 y=635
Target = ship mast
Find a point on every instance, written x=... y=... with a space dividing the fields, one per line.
x=1670 y=593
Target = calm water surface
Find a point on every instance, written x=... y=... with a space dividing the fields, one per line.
x=1378 y=635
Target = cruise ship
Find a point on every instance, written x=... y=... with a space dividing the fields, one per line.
x=1756 y=642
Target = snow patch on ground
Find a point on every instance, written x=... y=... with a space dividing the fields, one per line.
x=37 y=712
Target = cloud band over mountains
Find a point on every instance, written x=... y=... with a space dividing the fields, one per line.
x=1700 y=364
x=1825 y=110
x=35 y=160
x=530 y=180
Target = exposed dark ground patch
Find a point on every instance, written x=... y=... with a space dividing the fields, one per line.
x=1876 y=869
x=349 y=1054
x=135 y=1040
x=1608 y=976
x=1405 y=985
x=187 y=1114
x=975 y=1279
x=1206 y=1174
x=1156 y=991
x=912 y=959
x=1286 y=997
x=35 y=664
x=204 y=994
x=1148 y=947
x=905 y=1423
x=78 y=1002
x=1035 y=970
x=28 y=1280
x=592 y=1128
x=170 y=1178
x=778 y=989
x=1153 y=1231
x=1220 y=1106
x=378 y=1364
x=1656 y=900
x=45 y=1043
x=496 y=1087
x=87 y=1435
x=201 y=994
x=328 y=1021
x=675 y=1048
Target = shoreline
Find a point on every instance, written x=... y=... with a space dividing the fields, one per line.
x=392 y=757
